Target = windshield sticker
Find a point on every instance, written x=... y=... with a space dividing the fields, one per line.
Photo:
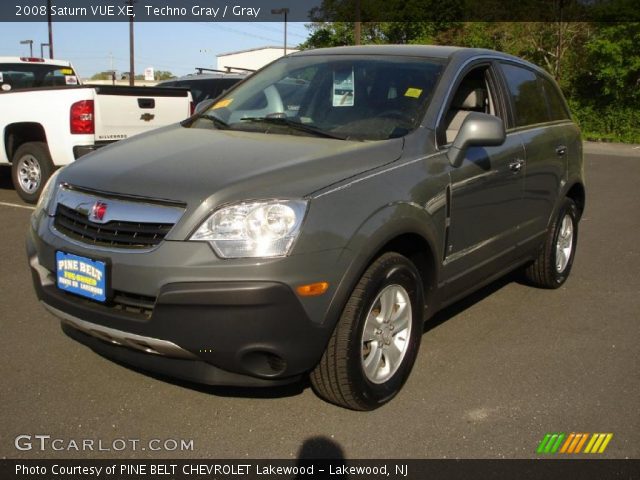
x=66 y=71
x=222 y=104
x=71 y=80
x=413 y=92
x=343 y=88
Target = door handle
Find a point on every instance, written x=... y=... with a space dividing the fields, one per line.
x=561 y=150
x=147 y=102
x=516 y=165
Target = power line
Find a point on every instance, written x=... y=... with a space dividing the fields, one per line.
x=239 y=32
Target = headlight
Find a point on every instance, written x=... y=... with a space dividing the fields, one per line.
x=48 y=192
x=253 y=229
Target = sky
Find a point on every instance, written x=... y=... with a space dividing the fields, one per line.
x=176 y=47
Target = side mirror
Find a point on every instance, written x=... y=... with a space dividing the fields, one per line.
x=478 y=129
x=203 y=105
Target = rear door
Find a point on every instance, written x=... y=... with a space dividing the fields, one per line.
x=542 y=121
x=121 y=112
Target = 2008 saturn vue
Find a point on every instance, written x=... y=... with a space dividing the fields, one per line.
x=312 y=218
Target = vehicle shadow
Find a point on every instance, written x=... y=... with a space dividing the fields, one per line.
x=5 y=178
x=298 y=387
x=467 y=302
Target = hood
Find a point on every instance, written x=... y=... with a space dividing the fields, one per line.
x=192 y=165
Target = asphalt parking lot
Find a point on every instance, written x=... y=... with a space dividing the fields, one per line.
x=495 y=373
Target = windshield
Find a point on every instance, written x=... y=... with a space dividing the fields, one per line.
x=203 y=89
x=18 y=76
x=342 y=96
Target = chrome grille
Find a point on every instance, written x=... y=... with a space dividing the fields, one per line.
x=118 y=234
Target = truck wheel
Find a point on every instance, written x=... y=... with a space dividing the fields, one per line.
x=553 y=265
x=31 y=167
x=375 y=343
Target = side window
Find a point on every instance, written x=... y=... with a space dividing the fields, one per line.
x=526 y=95
x=474 y=94
x=557 y=109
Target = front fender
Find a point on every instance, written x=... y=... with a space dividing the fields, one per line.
x=374 y=234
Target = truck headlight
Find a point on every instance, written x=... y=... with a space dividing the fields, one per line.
x=253 y=229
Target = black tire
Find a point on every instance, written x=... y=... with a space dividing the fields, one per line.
x=543 y=272
x=31 y=153
x=340 y=376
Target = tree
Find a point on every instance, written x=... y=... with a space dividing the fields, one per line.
x=102 y=76
x=164 y=75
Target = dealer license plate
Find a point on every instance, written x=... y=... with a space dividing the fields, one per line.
x=81 y=276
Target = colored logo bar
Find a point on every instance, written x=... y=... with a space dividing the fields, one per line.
x=574 y=442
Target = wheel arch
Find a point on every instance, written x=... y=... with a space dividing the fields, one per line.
x=17 y=134
x=405 y=229
x=577 y=193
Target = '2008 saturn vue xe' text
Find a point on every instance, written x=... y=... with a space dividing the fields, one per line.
x=312 y=218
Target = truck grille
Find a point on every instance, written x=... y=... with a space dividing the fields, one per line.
x=117 y=234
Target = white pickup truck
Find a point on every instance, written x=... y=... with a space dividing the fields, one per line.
x=48 y=119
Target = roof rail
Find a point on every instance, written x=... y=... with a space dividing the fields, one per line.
x=251 y=70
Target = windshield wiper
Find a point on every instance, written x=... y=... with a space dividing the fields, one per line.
x=295 y=125
x=217 y=121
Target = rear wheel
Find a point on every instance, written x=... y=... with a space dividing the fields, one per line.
x=553 y=265
x=31 y=167
x=375 y=343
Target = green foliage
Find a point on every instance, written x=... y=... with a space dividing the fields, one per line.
x=607 y=123
x=164 y=75
x=159 y=75
x=102 y=76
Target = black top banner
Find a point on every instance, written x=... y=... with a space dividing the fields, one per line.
x=318 y=10
x=335 y=469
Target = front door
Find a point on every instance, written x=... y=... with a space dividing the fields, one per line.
x=486 y=191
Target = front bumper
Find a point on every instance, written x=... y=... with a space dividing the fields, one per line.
x=250 y=332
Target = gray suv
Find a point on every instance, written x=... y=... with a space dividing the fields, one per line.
x=276 y=236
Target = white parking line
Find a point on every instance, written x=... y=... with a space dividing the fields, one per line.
x=17 y=205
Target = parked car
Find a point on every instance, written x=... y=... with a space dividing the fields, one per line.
x=54 y=122
x=19 y=73
x=205 y=86
x=263 y=241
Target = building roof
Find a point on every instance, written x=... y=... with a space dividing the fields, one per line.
x=269 y=47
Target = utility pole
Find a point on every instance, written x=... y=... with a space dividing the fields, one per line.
x=280 y=11
x=50 y=29
x=42 y=45
x=112 y=71
x=132 y=72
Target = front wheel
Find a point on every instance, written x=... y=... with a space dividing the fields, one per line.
x=376 y=341
x=31 y=167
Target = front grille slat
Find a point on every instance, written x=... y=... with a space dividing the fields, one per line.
x=116 y=234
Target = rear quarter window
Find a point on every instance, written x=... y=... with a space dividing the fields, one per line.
x=557 y=107
x=527 y=95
